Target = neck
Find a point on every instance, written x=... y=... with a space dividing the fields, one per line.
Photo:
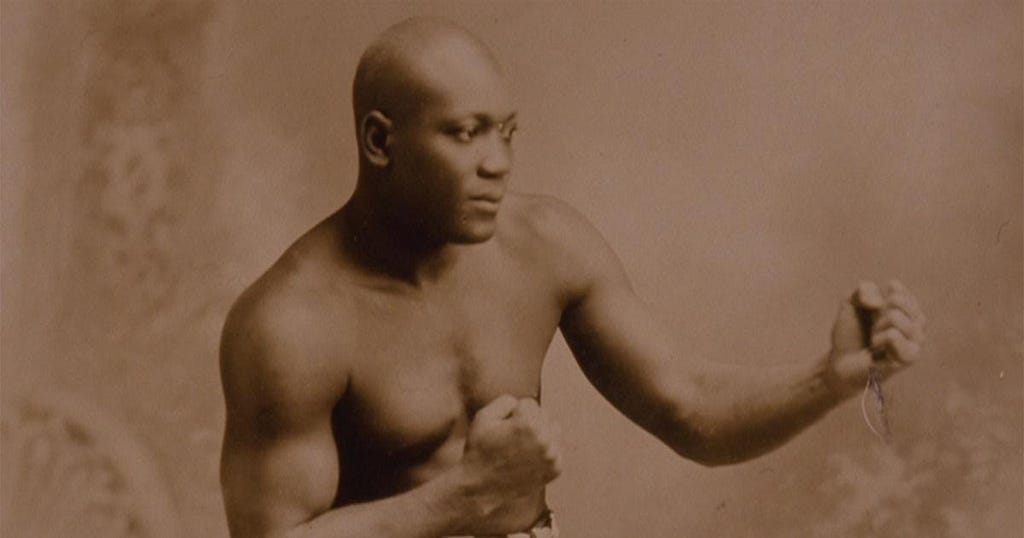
x=383 y=245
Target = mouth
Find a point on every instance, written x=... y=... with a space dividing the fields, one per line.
x=493 y=198
x=487 y=204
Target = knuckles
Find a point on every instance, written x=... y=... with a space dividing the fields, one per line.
x=505 y=400
x=528 y=404
x=524 y=443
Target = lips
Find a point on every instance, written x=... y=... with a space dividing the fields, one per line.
x=485 y=204
x=492 y=198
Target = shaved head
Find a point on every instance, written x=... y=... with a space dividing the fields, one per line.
x=434 y=118
x=412 y=62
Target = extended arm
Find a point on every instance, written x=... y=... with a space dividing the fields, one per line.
x=710 y=412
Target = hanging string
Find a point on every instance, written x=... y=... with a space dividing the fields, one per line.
x=874 y=383
x=874 y=386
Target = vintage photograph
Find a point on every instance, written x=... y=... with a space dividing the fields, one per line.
x=452 y=269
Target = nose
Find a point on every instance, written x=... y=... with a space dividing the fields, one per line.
x=497 y=159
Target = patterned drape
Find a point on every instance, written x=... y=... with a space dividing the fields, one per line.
x=129 y=340
x=144 y=154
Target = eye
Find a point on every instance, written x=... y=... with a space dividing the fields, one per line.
x=508 y=131
x=467 y=133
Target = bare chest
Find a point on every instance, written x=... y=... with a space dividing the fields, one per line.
x=425 y=368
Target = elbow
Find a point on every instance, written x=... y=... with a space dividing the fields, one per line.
x=719 y=453
x=705 y=443
x=703 y=452
x=711 y=458
x=702 y=434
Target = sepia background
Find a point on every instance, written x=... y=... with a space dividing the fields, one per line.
x=749 y=162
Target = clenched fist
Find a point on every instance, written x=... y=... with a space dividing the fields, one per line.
x=876 y=328
x=511 y=453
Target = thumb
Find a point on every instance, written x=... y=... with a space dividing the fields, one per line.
x=868 y=296
x=499 y=408
x=850 y=329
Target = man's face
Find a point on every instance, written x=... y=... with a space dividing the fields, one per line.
x=453 y=157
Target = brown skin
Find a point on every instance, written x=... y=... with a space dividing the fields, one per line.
x=382 y=378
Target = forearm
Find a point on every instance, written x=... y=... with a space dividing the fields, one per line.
x=439 y=507
x=744 y=414
x=737 y=413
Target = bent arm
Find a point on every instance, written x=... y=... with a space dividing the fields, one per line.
x=280 y=470
x=428 y=511
x=277 y=490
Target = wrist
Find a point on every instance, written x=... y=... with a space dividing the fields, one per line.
x=844 y=374
x=464 y=499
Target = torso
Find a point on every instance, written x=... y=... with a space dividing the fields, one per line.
x=423 y=360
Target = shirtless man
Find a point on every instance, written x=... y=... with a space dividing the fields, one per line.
x=382 y=379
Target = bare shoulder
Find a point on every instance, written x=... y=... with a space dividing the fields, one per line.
x=551 y=218
x=564 y=238
x=281 y=347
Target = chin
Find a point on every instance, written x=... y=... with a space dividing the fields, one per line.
x=475 y=233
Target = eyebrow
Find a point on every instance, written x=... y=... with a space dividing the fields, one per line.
x=487 y=118
x=482 y=118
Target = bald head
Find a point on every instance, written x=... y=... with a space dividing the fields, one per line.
x=434 y=119
x=413 y=62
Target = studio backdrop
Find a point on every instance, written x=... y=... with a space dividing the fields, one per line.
x=750 y=162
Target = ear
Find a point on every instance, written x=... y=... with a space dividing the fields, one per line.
x=375 y=135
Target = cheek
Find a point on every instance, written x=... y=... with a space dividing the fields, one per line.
x=449 y=169
x=430 y=184
x=456 y=159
